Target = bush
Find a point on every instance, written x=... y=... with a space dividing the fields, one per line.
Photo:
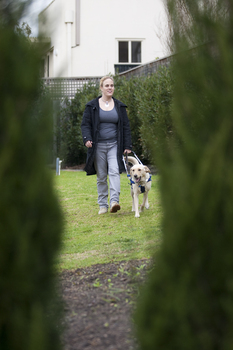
x=148 y=100
x=154 y=112
x=126 y=91
x=30 y=216
x=188 y=301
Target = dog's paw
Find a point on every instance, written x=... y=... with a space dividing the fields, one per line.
x=137 y=215
x=147 y=206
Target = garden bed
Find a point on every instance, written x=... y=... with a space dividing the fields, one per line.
x=99 y=301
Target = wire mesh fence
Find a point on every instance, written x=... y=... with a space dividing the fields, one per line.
x=60 y=88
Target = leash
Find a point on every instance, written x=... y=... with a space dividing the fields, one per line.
x=137 y=157
x=126 y=164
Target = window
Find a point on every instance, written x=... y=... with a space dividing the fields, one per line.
x=129 y=51
x=129 y=54
x=135 y=51
x=123 y=51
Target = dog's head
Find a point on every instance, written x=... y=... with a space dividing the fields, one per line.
x=138 y=173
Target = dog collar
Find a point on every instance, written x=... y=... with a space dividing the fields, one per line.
x=141 y=187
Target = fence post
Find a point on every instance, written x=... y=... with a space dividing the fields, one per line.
x=57 y=166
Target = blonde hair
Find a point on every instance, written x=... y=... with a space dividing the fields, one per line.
x=105 y=78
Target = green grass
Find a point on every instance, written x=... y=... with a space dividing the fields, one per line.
x=89 y=238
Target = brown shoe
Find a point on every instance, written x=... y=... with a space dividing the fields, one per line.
x=114 y=207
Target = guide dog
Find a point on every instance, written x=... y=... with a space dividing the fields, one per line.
x=140 y=183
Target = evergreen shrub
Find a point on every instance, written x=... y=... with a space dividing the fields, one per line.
x=126 y=91
x=187 y=303
x=153 y=101
x=148 y=100
x=30 y=215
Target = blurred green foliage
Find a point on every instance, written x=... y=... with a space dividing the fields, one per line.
x=30 y=215
x=188 y=300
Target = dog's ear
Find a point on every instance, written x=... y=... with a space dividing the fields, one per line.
x=131 y=172
x=147 y=170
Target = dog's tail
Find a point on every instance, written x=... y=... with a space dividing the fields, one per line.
x=132 y=160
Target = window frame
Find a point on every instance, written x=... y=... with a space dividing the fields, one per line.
x=129 y=40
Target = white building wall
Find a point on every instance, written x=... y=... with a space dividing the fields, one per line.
x=102 y=24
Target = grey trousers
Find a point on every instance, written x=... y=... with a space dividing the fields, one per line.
x=106 y=164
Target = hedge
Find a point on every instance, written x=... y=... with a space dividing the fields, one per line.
x=30 y=214
x=187 y=302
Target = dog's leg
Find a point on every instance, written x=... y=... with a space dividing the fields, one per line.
x=144 y=202
x=136 y=203
x=147 y=203
x=133 y=206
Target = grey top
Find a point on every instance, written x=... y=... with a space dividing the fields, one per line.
x=108 y=126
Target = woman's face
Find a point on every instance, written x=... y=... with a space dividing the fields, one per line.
x=107 y=88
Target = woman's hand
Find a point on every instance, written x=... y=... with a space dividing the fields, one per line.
x=127 y=151
x=88 y=144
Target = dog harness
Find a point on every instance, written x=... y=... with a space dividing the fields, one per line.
x=142 y=188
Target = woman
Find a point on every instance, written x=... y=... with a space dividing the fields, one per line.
x=106 y=134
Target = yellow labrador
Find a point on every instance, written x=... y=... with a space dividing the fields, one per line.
x=140 y=183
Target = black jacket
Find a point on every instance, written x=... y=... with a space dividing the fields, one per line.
x=90 y=132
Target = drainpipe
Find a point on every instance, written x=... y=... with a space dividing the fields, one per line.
x=69 y=19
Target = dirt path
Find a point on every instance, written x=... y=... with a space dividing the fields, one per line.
x=99 y=302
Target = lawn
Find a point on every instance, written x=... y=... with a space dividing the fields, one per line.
x=89 y=238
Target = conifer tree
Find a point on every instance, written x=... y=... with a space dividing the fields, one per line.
x=30 y=215
x=187 y=303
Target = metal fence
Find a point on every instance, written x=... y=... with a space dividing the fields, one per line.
x=60 y=88
x=147 y=69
